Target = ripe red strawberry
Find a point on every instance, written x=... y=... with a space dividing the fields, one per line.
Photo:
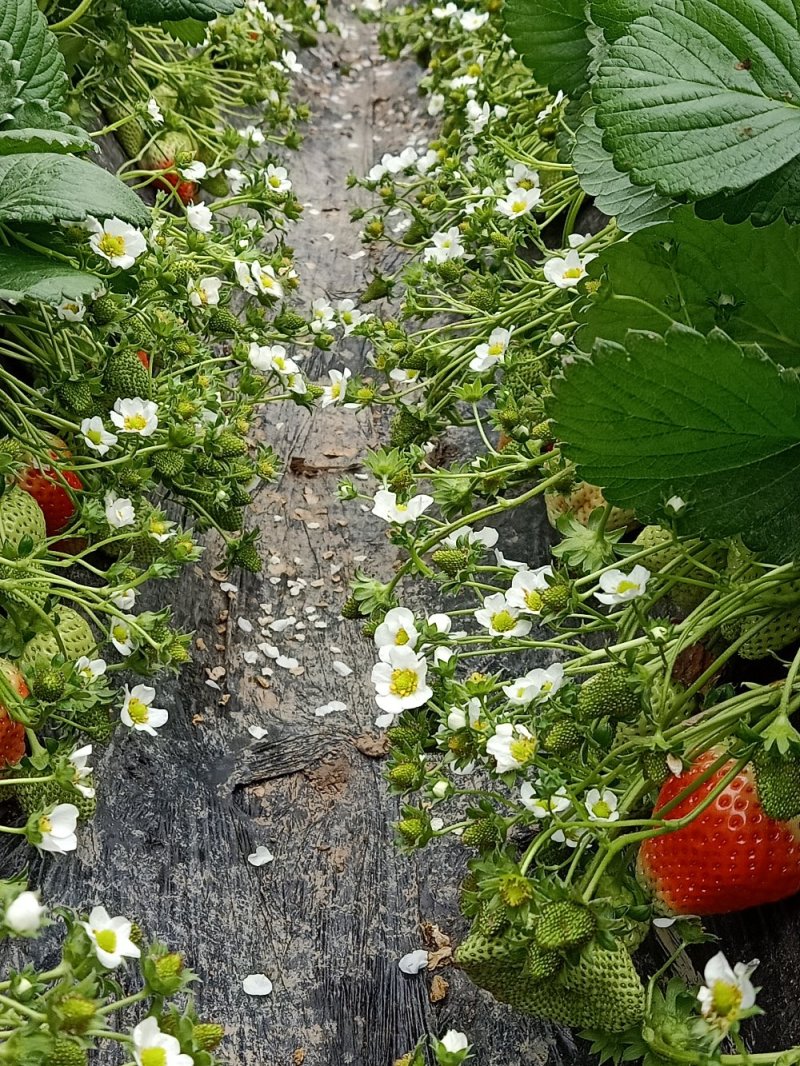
x=47 y=485
x=732 y=856
x=12 y=733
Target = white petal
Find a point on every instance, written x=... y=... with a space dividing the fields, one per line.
x=257 y=984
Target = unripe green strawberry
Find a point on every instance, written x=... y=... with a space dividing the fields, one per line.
x=451 y=270
x=170 y=965
x=20 y=516
x=185 y=269
x=370 y=627
x=227 y=445
x=350 y=608
x=410 y=829
x=228 y=518
x=125 y=376
x=48 y=684
x=610 y=692
x=96 y=722
x=131 y=134
x=539 y=964
x=207 y=464
x=403 y=735
x=10 y=446
x=140 y=334
x=483 y=297
x=523 y=375
x=480 y=834
x=169 y=464
x=178 y=651
x=129 y=480
x=77 y=1013
x=41 y=797
x=239 y=496
x=402 y=481
x=407 y=429
x=67 y=1053
x=208 y=1035
x=778 y=784
x=651 y=537
x=406 y=775
x=564 y=924
x=782 y=630
x=562 y=738
x=31 y=591
x=137 y=934
x=543 y=431
x=654 y=767
x=223 y=322
x=491 y=919
x=76 y=636
x=246 y=556
x=451 y=560
x=76 y=396
x=104 y=310
x=289 y=322
x=556 y=597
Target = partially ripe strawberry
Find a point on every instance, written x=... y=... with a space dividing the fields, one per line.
x=732 y=856
x=143 y=358
x=12 y=733
x=168 y=152
x=48 y=486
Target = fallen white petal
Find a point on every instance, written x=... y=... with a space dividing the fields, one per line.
x=257 y=984
x=261 y=856
x=257 y=731
x=414 y=961
x=329 y=708
x=342 y=669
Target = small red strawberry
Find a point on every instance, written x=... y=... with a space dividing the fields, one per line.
x=12 y=733
x=732 y=856
x=48 y=486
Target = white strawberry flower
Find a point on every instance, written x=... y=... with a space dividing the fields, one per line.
x=436 y=106
x=601 y=806
x=527 y=587
x=387 y=507
x=122 y=637
x=550 y=108
x=110 y=937
x=567 y=271
x=446 y=12
x=500 y=618
x=272 y=357
x=24 y=914
x=400 y=681
x=335 y=392
x=478 y=116
x=349 y=315
x=90 y=669
x=204 y=292
x=536 y=684
x=266 y=281
x=445 y=245
x=521 y=177
x=135 y=415
x=81 y=771
x=97 y=437
x=252 y=135
x=512 y=746
x=57 y=827
x=71 y=310
x=569 y=835
x=322 y=315
x=154 y=112
x=541 y=806
x=486 y=537
x=728 y=989
x=199 y=218
x=488 y=355
x=277 y=179
x=116 y=241
x=473 y=20
x=618 y=587
x=151 y=1047
x=194 y=171
x=290 y=62
x=397 y=629
x=519 y=202
x=453 y=1041
x=458 y=718
x=125 y=599
x=138 y=712
x=119 y=511
x=236 y=180
x=160 y=528
x=296 y=383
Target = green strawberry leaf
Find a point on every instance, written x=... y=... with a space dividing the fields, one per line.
x=25 y=275
x=774 y=196
x=41 y=65
x=701 y=96
x=694 y=417
x=44 y=187
x=140 y=11
x=615 y=16
x=190 y=31
x=704 y=274
x=550 y=37
x=36 y=140
x=614 y=194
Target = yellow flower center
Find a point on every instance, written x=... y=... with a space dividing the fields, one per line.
x=573 y=272
x=533 y=600
x=503 y=622
x=280 y=362
x=336 y=390
x=45 y=825
x=106 y=939
x=137 y=711
x=72 y=308
x=120 y=633
x=153 y=1056
x=401 y=637
x=523 y=749
x=626 y=586
x=95 y=436
x=519 y=206
x=404 y=682
x=497 y=349
x=158 y=526
x=525 y=183
x=726 y=999
x=274 y=181
x=601 y=809
x=135 y=422
x=111 y=246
